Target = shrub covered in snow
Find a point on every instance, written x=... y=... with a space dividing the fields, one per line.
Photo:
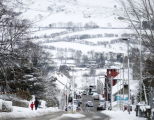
x=5 y=106
x=20 y=103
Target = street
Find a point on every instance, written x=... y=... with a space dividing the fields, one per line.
x=90 y=113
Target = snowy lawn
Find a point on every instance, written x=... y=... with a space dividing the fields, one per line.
x=120 y=115
x=20 y=112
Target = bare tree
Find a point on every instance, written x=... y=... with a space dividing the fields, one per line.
x=85 y=59
x=78 y=55
x=140 y=15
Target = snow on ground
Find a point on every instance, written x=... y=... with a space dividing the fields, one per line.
x=85 y=48
x=101 y=31
x=73 y=115
x=46 y=32
x=104 y=39
x=20 y=112
x=120 y=115
x=44 y=13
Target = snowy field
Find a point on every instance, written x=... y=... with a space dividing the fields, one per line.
x=115 y=48
x=44 y=13
x=46 y=32
x=101 y=31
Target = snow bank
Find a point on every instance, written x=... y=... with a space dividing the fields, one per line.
x=20 y=112
x=120 y=115
x=1 y=104
x=73 y=115
x=5 y=106
x=43 y=104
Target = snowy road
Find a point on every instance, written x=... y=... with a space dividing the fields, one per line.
x=44 y=117
x=89 y=113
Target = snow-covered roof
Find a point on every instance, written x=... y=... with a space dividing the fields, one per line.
x=61 y=81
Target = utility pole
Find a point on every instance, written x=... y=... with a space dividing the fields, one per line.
x=140 y=64
x=120 y=87
x=111 y=91
x=73 y=91
x=128 y=74
x=123 y=81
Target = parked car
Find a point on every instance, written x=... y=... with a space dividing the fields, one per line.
x=101 y=107
x=94 y=94
x=84 y=93
x=102 y=101
x=96 y=97
x=79 y=101
x=78 y=109
x=78 y=96
x=89 y=104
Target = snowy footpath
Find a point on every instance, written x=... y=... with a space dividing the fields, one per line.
x=20 y=112
x=120 y=115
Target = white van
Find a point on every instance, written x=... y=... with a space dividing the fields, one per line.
x=95 y=96
x=102 y=101
x=84 y=93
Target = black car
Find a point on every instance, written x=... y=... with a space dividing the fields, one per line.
x=101 y=107
x=78 y=109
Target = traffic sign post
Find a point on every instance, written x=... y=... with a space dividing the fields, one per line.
x=69 y=110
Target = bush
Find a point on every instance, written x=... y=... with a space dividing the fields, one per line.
x=20 y=103
x=5 y=106
x=24 y=95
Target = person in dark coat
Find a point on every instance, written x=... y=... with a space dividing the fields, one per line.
x=36 y=103
x=32 y=105
x=78 y=104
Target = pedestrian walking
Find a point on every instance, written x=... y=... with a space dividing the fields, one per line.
x=36 y=103
x=32 y=105
x=78 y=104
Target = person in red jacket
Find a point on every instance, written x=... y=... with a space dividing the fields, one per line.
x=32 y=105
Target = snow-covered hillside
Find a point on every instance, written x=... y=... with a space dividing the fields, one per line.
x=51 y=19
x=102 y=12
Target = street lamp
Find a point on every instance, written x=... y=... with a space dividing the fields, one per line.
x=140 y=36
x=140 y=64
x=73 y=90
x=128 y=72
x=123 y=82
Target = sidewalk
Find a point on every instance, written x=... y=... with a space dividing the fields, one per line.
x=120 y=115
x=20 y=112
